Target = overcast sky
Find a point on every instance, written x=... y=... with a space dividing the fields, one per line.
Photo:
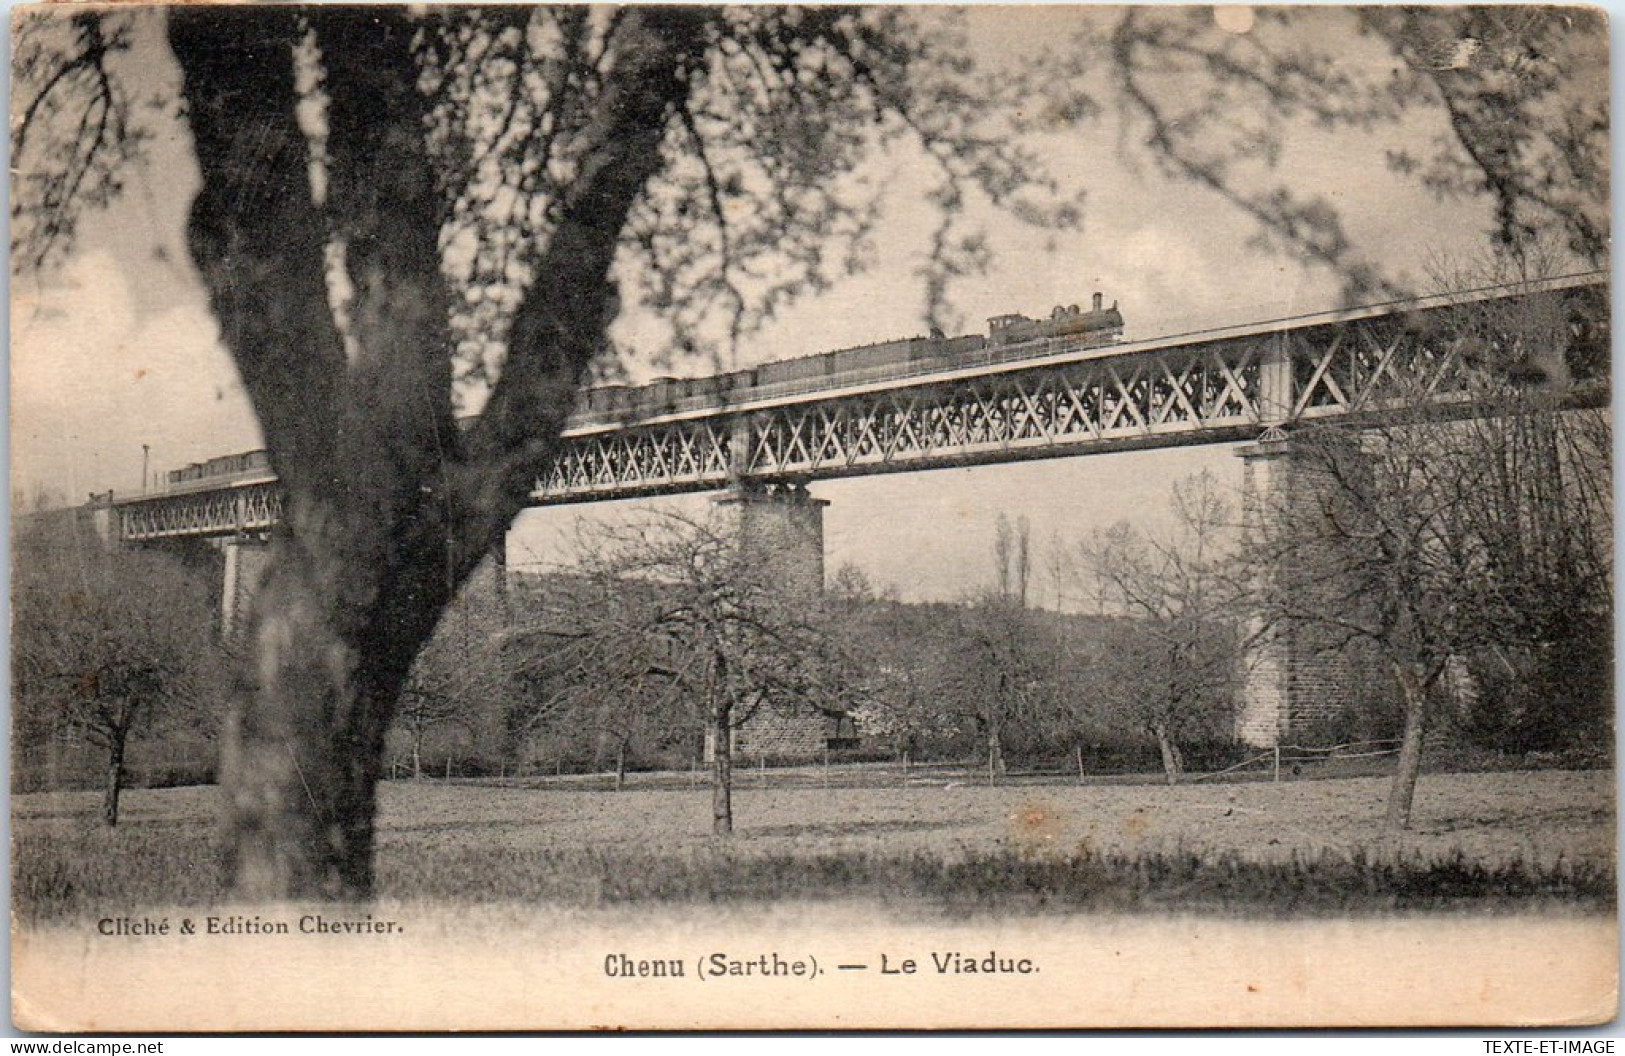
x=119 y=349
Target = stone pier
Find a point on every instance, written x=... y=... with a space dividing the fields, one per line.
x=780 y=529
x=1295 y=675
x=245 y=559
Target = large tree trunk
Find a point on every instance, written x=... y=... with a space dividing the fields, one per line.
x=387 y=506
x=303 y=749
x=1400 y=796
x=365 y=558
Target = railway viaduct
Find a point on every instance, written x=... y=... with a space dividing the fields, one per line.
x=1065 y=395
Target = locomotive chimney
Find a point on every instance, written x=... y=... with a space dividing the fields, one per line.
x=1098 y=299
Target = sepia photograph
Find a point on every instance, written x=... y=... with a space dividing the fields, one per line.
x=778 y=518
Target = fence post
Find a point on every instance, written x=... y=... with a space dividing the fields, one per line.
x=448 y=768
x=826 y=767
x=1079 y=750
x=761 y=770
x=1277 y=764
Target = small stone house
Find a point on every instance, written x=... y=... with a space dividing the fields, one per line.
x=789 y=730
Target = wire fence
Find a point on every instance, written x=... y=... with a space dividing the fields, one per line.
x=78 y=765
x=1275 y=758
x=829 y=771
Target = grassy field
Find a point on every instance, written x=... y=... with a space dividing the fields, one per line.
x=1485 y=839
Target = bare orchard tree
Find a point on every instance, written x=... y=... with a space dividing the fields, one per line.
x=672 y=607
x=1545 y=510
x=1004 y=636
x=110 y=647
x=461 y=681
x=592 y=663
x=1470 y=516
x=998 y=675
x=430 y=701
x=1378 y=552
x=1173 y=660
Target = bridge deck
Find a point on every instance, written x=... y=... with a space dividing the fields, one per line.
x=1035 y=399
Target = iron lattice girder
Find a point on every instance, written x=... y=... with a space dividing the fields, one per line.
x=1187 y=394
x=1360 y=368
x=1037 y=410
x=249 y=508
x=1209 y=388
x=674 y=457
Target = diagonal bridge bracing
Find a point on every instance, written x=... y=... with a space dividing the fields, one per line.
x=974 y=405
